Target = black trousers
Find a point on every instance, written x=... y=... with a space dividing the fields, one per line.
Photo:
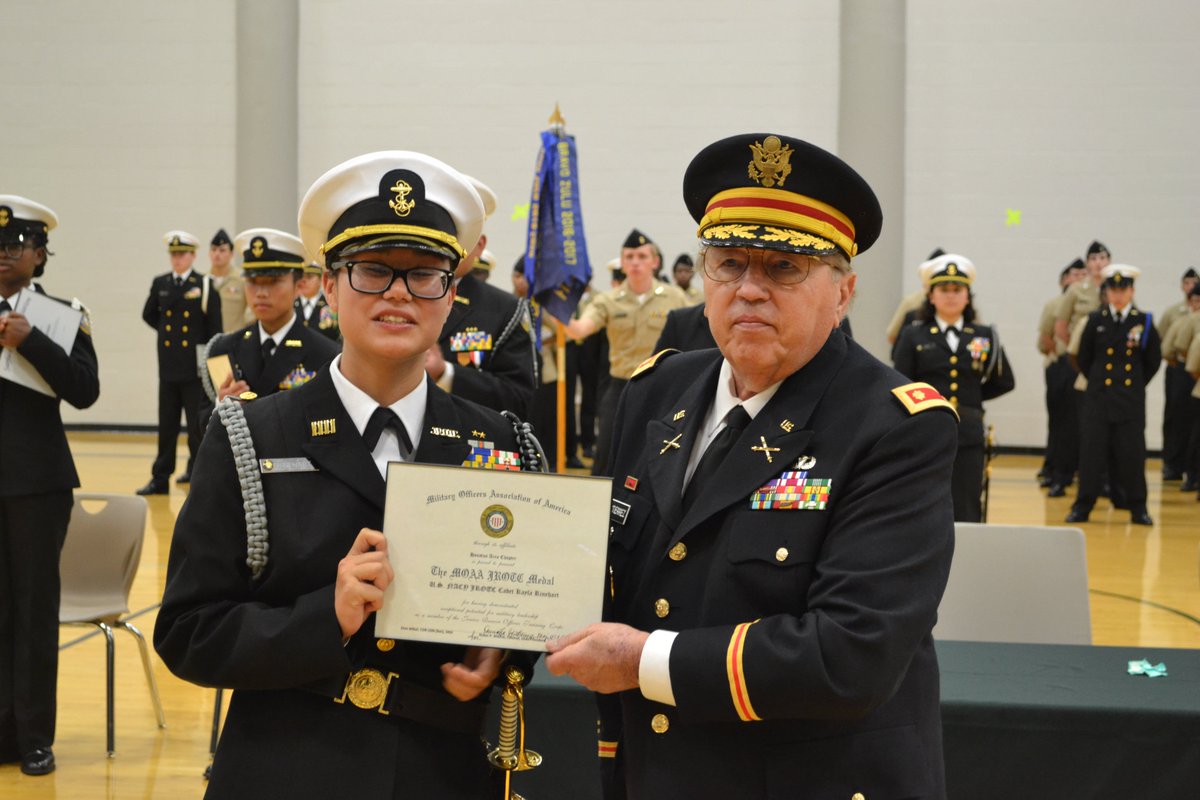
x=174 y=397
x=32 y=531
x=1192 y=457
x=1062 y=450
x=572 y=359
x=1125 y=442
x=966 y=483
x=593 y=380
x=543 y=415
x=1176 y=421
x=608 y=411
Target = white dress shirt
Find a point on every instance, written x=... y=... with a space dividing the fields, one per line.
x=360 y=406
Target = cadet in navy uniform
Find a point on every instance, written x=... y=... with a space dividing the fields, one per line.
x=312 y=307
x=275 y=352
x=282 y=610
x=37 y=475
x=781 y=518
x=1119 y=352
x=963 y=360
x=486 y=352
x=185 y=309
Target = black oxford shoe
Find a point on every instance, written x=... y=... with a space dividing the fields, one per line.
x=184 y=477
x=1057 y=490
x=1140 y=517
x=38 y=762
x=155 y=486
x=1077 y=515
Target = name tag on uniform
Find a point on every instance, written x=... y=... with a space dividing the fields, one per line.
x=620 y=512
x=272 y=465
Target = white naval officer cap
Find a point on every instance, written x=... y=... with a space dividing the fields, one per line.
x=392 y=198
x=946 y=268
x=20 y=216
x=1119 y=275
x=486 y=260
x=486 y=195
x=180 y=242
x=267 y=251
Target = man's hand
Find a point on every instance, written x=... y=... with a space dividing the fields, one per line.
x=603 y=657
x=231 y=388
x=435 y=363
x=361 y=578
x=474 y=675
x=14 y=329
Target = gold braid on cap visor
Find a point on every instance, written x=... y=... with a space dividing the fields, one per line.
x=755 y=206
x=412 y=230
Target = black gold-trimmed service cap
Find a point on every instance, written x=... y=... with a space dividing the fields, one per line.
x=21 y=220
x=779 y=193
x=180 y=242
x=393 y=198
x=1119 y=276
x=948 y=268
x=267 y=251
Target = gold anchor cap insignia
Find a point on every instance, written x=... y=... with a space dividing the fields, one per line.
x=400 y=204
x=770 y=162
x=258 y=246
x=5 y=215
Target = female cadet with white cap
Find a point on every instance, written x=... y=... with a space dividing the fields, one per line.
x=282 y=610
x=963 y=360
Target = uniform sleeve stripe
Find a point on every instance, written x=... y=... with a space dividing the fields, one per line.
x=608 y=749
x=737 y=675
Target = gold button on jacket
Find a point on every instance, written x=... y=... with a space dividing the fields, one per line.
x=662 y=607
x=659 y=723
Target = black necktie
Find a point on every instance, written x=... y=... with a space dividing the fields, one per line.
x=268 y=349
x=178 y=281
x=383 y=418
x=735 y=422
x=4 y=307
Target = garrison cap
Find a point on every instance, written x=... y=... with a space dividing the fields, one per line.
x=779 y=193
x=636 y=239
x=267 y=251
x=221 y=238
x=1076 y=264
x=1119 y=276
x=180 y=242
x=937 y=252
x=948 y=268
x=1095 y=247
x=1191 y=273
x=392 y=198
x=1194 y=291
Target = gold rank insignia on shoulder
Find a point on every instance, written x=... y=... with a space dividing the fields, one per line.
x=918 y=397
x=293 y=343
x=770 y=162
x=247 y=334
x=449 y=433
x=650 y=363
x=323 y=427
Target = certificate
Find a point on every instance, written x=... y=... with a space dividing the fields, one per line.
x=57 y=320
x=490 y=557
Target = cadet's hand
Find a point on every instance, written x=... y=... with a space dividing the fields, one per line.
x=361 y=578
x=604 y=657
x=231 y=388
x=435 y=363
x=14 y=329
x=474 y=675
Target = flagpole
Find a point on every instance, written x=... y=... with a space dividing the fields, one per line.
x=559 y=126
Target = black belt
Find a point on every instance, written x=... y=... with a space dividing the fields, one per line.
x=387 y=693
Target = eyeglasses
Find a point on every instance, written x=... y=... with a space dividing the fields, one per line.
x=728 y=264
x=371 y=277
x=14 y=249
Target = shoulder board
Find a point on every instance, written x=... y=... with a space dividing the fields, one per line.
x=85 y=321
x=650 y=363
x=918 y=397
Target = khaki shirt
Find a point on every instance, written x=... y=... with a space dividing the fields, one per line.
x=633 y=327
x=1178 y=338
x=234 y=314
x=694 y=293
x=1169 y=316
x=1079 y=300
x=1193 y=363
x=1046 y=329
x=910 y=302
x=1073 y=349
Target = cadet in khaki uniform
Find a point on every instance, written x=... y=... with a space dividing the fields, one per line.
x=633 y=316
x=1062 y=435
x=1119 y=352
x=1177 y=389
x=227 y=281
x=1176 y=346
x=1192 y=365
x=909 y=305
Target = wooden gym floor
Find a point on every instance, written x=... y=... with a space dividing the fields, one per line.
x=1145 y=586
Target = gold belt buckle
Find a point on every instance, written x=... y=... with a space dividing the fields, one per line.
x=367 y=688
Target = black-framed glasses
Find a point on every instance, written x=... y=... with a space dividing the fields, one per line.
x=14 y=249
x=371 y=277
x=728 y=264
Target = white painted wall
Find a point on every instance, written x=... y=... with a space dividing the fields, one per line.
x=120 y=117
x=1081 y=115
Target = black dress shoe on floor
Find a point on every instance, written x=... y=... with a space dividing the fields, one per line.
x=1057 y=490
x=38 y=762
x=574 y=463
x=1140 y=517
x=1077 y=515
x=155 y=486
x=1188 y=486
x=185 y=477
x=1172 y=475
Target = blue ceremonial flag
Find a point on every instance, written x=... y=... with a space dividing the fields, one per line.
x=556 y=257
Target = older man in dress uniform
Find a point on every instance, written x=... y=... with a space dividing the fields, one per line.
x=1119 y=352
x=781 y=518
x=37 y=475
x=185 y=311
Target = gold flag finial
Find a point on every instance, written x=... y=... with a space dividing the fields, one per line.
x=556 y=119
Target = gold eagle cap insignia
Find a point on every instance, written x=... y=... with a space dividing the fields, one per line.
x=401 y=205
x=770 y=162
